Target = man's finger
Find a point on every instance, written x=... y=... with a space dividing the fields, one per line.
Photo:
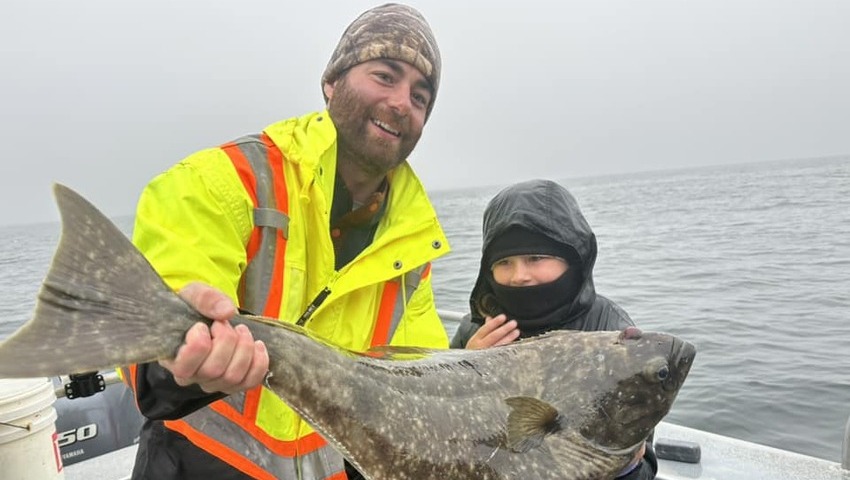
x=191 y=354
x=259 y=366
x=241 y=376
x=240 y=362
x=224 y=341
x=208 y=301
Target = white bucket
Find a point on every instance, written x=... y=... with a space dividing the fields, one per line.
x=28 y=447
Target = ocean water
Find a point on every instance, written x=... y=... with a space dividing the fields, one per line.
x=751 y=263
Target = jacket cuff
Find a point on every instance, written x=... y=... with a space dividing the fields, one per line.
x=160 y=398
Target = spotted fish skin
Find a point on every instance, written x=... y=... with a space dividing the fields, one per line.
x=565 y=405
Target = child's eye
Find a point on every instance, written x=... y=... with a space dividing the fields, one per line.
x=541 y=258
x=500 y=263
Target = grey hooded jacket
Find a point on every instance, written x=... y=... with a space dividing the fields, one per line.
x=547 y=208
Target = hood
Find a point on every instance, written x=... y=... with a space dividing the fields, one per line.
x=547 y=208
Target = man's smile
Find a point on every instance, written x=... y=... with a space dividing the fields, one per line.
x=385 y=127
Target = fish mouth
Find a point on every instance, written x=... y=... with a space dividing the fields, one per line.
x=681 y=357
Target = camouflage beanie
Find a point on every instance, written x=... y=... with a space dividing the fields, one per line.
x=394 y=31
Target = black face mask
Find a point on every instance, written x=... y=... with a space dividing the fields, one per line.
x=527 y=304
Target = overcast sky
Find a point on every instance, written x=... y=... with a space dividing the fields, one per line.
x=102 y=95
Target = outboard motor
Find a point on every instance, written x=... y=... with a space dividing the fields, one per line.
x=97 y=415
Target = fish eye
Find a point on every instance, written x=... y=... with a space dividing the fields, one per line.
x=656 y=371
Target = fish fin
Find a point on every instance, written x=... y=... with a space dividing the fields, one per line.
x=101 y=304
x=529 y=421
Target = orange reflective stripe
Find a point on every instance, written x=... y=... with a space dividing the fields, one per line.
x=287 y=448
x=391 y=309
x=252 y=404
x=128 y=376
x=243 y=168
x=249 y=182
x=310 y=443
x=274 y=160
x=385 y=314
x=219 y=450
x=275 y=294
x=227 y=411
x=134 y=372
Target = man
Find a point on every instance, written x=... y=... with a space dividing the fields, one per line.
x=319 y=220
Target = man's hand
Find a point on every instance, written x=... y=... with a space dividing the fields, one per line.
x=495 y=331
x=219 y=358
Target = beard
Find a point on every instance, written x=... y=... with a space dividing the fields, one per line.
x=353 y=116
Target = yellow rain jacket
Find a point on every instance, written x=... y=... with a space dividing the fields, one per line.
x=194 y=223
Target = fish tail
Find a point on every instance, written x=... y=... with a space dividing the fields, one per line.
x=101 y=305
